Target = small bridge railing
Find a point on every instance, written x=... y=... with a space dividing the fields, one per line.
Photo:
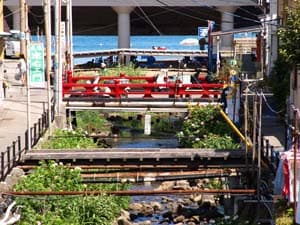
x=119 y=86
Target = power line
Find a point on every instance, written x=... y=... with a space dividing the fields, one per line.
x=12 y=13
x=115 y=24
x=148 y=19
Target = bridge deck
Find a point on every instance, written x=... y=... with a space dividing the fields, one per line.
x=142 y=157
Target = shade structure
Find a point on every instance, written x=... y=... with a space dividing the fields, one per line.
x=189 y=42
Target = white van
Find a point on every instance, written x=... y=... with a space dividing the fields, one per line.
x=12 y=49
x=12 y=45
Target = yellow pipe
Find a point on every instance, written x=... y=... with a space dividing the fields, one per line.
x=234 y=128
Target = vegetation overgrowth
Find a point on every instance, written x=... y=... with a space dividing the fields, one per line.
x=204 y=127
x=283 y=213
x=69 y=139
x=92 y=122
x=62 y=210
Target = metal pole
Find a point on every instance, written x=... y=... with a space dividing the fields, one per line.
x=70 y=33
x=295 y=161
x=254 y=131
x=2 y=46
x=259 y=144
x=246 y=124
x=22 y=28
x=27 y=79
x=218 y=55
x=60 y=64
x=57 y=56
x=47 y=16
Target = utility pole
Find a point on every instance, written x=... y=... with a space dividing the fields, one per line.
x=24 y=51
x=246 y=122
x=47 y=16
x=22 y=28
x=58 y=65
x=1 y=52
x=70 y=35
x=254 y=132
x=260 y=144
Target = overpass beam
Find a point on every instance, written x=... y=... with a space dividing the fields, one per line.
x=15 y=10
x=227 y=23
x=123 y=26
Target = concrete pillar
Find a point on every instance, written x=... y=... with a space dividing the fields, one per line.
x=123 y=26
x=147 y=128
x=15 y=10
x=271 y=35
x=227 y=22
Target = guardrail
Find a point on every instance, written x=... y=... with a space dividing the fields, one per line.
x=123 y=85
x=13 y=153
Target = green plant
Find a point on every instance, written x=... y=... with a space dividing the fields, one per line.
x=91 y=121
x=61 y=210
x=279 y=81
x=65 y=139
x=205 y=128
x=289 y=35
x=129 y=70
x=283 y=213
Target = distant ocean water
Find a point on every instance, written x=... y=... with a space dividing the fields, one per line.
x=106 y=42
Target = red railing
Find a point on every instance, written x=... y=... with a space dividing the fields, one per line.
x=123 y=85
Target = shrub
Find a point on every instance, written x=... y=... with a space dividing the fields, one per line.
x=65 y=139
x=205 y=128
x=61 y=210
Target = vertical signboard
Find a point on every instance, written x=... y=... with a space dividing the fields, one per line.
x=202 y=32
x=36 y=65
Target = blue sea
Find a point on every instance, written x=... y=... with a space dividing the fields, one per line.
x=95 y=43
x=105 y=42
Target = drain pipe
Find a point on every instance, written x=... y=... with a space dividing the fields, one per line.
x=234 y=128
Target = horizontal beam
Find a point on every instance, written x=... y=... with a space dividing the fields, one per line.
x=134 y=192
x=141 y=3
x=139 y=52
x=133 y=153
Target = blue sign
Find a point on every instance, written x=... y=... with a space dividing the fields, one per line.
x=202 y=32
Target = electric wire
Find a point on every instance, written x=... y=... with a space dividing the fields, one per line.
x=140 y=16
x=178 y=12
x=269 y=22
x=269 y=106
x=147 y=18
x=115 y=24
x=12 y=13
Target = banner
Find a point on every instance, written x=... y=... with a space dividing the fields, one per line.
x=36 y=65
x=211 y=25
